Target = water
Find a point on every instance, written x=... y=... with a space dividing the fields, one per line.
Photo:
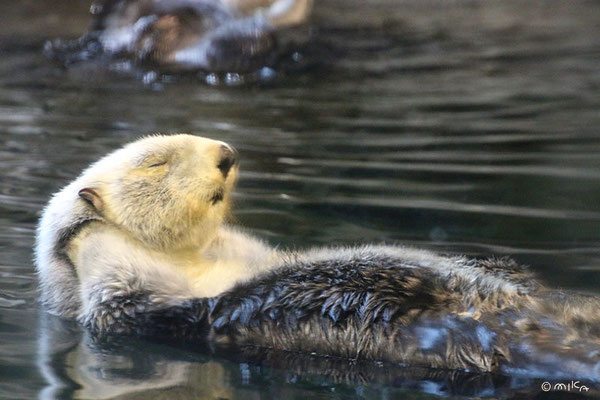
x=463 y=126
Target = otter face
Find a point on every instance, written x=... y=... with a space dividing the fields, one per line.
x=170 y=192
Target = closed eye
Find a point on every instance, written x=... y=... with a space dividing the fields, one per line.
x=158 y=164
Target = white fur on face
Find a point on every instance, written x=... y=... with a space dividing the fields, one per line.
x=175 y=179
x=157 y=190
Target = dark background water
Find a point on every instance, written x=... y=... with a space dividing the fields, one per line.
x=463 y=126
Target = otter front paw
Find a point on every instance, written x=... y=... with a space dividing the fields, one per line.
x=120 y=314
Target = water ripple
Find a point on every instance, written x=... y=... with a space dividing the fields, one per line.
x=463 y=126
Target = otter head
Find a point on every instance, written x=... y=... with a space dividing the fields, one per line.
x=169 y=192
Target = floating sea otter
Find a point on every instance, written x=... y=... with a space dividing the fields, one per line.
x=137 y=245
x=179 y=35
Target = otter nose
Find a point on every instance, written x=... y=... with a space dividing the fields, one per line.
x=227 y=158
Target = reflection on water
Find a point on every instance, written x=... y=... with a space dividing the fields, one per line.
x=465 y=126
x=75 y=365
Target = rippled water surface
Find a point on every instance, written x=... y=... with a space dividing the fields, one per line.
x=463 y=126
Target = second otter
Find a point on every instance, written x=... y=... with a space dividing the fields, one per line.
x=184 y=35
x=137 y=245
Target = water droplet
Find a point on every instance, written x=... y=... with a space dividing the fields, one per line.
x=233 y=79
x=149 y=77
x=297 y=57
x=266 y=73
x=212 y=79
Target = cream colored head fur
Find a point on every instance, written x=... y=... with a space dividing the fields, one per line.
x=168 y=192
x=176 y=178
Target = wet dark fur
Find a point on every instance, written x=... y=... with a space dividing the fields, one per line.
x=234 y=44
x=380 y=308
x=287 y=369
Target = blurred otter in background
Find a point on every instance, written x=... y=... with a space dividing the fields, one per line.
x=184 y=35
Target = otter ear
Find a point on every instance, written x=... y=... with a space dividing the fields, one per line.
x=92 y=197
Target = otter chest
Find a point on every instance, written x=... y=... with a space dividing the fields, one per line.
x=209 y=278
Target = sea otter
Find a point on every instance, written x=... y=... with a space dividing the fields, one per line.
x=137 y=245
x=183 y=35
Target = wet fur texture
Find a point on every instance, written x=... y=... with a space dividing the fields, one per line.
x=386 y=303
x=382 y=303
x=181 y=35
